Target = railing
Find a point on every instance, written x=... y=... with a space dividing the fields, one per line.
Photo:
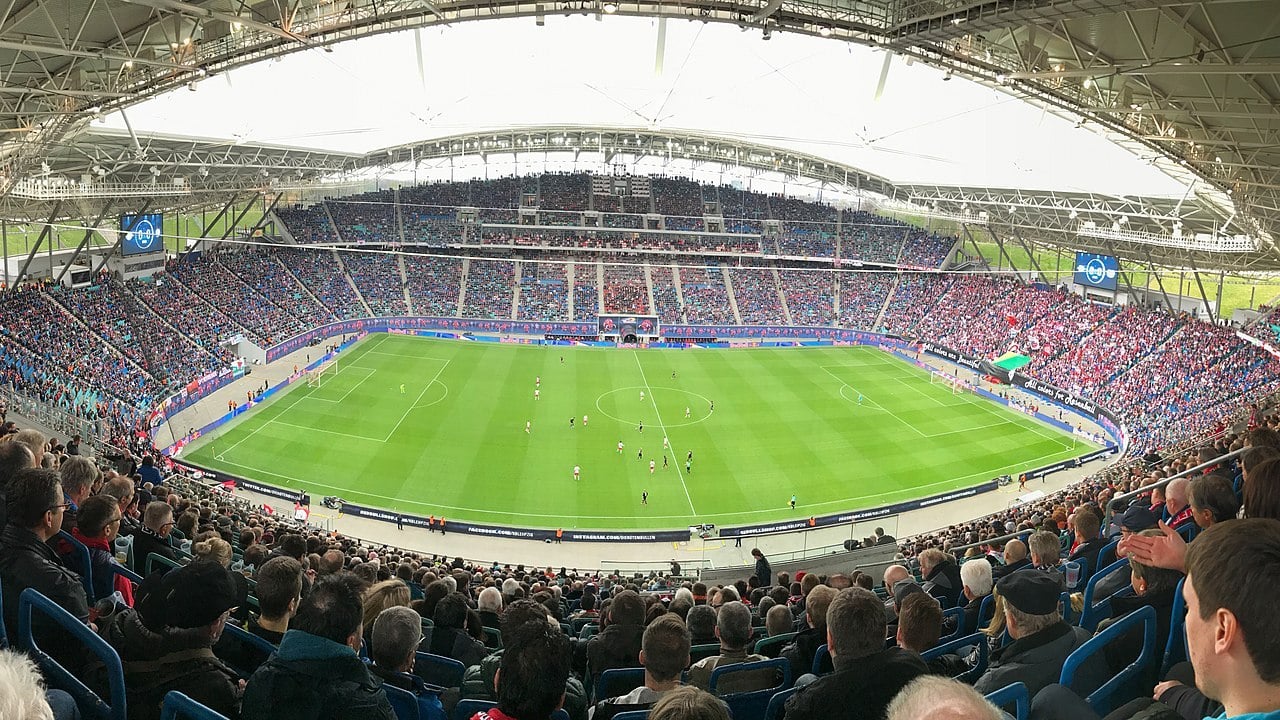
x=1002 y=539
x=1110 y=511
x=55 y=419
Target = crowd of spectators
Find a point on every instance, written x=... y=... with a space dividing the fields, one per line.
x=434 y=283
x=366 y=218
x=666 y=298
x=810 y=296
x=377 y=275
x=586 y=290
x=626 y=289
x=862 y=295
x=544 y=291
x=705 y=299
x=564 y=192
x=310 y=225
x=677 y=197
x=276 y=275
x=755 y=291
x=489 y=289
x=320 y=276
x=208 y=278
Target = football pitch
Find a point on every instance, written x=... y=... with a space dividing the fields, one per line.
x=438 y=427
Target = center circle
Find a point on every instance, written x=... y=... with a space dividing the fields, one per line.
x=698 y=404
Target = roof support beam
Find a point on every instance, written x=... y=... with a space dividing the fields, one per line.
x=88 y=234
x=44 y=233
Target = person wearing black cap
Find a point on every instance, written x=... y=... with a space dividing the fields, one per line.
x=1041 y=640
x=167 y=642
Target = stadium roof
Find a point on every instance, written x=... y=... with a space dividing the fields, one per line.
x=1192 y=87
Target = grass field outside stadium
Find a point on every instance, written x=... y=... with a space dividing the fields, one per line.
x=838 y=428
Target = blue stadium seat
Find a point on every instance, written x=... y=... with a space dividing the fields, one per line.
x=493 y=637
x=1175 y=648
x=986 y=611
x=439 y=670
x=976 y=640
x=403 y=702
x=1107 y=554
x=769 y=642
x=1064 y=605
x=1139 y=670
x=178 y=706
x=958 y=614
x=566 y=628
x=1015 y=694
x=777 y=702
x=1094 y=612
x=154 y=559
x=822 y=661
x=617 y=681
x=248 y=651
x=751 y=705
x=89 y=702
x=632 y=715
x=80 y=562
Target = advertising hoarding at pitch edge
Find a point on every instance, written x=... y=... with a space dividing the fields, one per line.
x=1098 y=271
x=142 y=233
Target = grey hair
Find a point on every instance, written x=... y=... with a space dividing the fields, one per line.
x=396 y=634
x=490 y=599
x=931 y=697
x=21 y=689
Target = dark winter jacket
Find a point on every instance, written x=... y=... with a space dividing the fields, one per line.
x=145 y=542
x=175 y=659
x=26 y=562
x=859 y=688
x=617 y=646
x=452 y=643
x=800 y=651
x=477 y=684
x=314 y=678
x=944 y=584
x=1036 y=660
x=1126 y=648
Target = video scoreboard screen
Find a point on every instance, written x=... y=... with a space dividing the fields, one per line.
x=1100 y=271
x=624 y=325
x=142 y=234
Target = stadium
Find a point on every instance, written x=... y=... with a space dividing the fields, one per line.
x=641 y=294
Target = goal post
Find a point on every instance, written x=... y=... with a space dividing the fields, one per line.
x=321 y=373
x=942 y=378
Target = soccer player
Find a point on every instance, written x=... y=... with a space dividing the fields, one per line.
x=401 y=388
x=584 y=421
x=688 y=466
x=640 y=455
x=793 y=502
x=619 y=447
x=577 y=472
x=689 y=457
x=664 y=462
x=537 y=381
x=665 y=445
x=537 y=394
x=640 y=427
x=641 y=396
x=652 y=465
x=859 y=398
x=644 y=497
x=713 y=405
x=528 y=425
x=673 y=374
x=570 y=421
x=686 y=412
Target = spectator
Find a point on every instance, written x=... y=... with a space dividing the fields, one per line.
x=396 y=634
x=149 y=472
x=121 y=488
x=1041 y=640
x=941 y=576
x=1177 y=505
x=379 y=597
x=935 y=698
x=153 y=537
x=764 y=574
x=489 y=603
x=1152 y=586
x=478 y=681
x=279 y=592
x=664 y=654
x=778 y=619
x=1233 y=570
x=733 y=629
x=1212 y=500
x=36 y=507
x=689 y=703
x=1044 y=548
x=867 y=675
x=531 y=680
x=618 y=643
x=22 y=695
x=976 y=576
x=702 y=624
x=98 y=524
x=1015 y=559
x=801 y=651
x=78 y=477
x=317 y=671
x=167 y=643
x=14 y=457
x=448 y=636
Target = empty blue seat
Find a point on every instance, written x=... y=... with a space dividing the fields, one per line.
x=1139 y=670
x=403 y=702
x=777 y=703
x=177 y=706
x=80 y=562
x=957 y=614
x=1015 y=694
x=617 y=681
x=439 y=670
x=31 y=602
x=822 y=661
x=632 y=715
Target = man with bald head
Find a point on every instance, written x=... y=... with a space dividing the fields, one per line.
x=893 y=575
x=931 y=697
x=1015 y=559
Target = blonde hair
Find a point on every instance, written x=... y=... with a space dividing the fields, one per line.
x=214 y=548
x=996 y=628
x=21 y=689
x=388 y=593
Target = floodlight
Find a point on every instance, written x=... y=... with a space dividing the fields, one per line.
x=610 y=8
x=824 y=31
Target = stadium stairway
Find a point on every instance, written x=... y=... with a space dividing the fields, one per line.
x=675 y=278
x=782 y=295
x=399 y=210
x=888 y=298
x=332 y=224
x=569 y=289
x=404 y=276
x=462 y=286
x=337 y=256
x=733 y=301
x=76 y=320
x=648 y=285
x=516 y=273
x=600 y=286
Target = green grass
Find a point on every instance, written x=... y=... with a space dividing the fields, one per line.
x=785 y=421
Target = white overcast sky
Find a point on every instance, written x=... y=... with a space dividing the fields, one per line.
x=808 y=94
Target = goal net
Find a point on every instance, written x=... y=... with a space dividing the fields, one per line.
x=956 y=385
x=321 y=373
